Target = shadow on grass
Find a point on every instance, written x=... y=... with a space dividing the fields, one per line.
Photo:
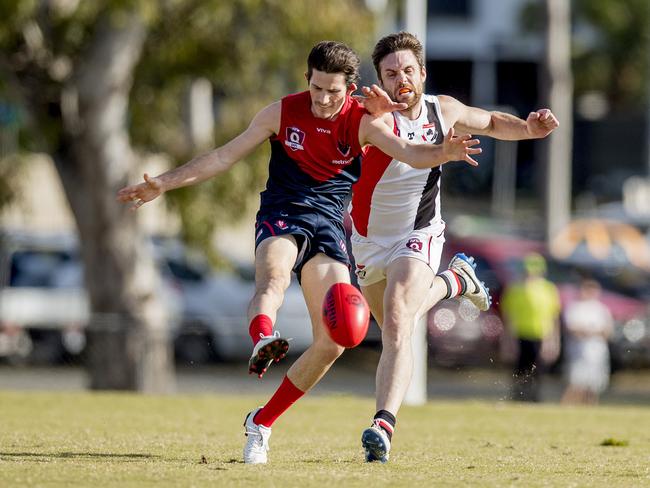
x=335 y=461
x=44 y=456
x=306 y=461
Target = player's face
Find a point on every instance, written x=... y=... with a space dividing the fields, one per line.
x=328 y=91
x=402 y=77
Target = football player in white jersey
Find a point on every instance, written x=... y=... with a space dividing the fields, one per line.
x=398 y=232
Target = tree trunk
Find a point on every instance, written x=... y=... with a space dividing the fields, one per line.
x=128 y=346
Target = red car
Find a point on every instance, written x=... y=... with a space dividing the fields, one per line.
x=459 y=335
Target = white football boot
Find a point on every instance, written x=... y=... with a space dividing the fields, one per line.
x=268 y=349
x=257 y=440
x=475 y=291
x=376 y=444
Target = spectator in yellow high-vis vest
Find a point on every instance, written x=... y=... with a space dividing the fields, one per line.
x=532 y=308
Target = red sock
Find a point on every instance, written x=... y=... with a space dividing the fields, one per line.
x=261 y=324
x=285 y=396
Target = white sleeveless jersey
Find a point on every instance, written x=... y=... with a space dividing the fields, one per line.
x=391 y=198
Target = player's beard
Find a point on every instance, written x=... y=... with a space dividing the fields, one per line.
x=414 y=100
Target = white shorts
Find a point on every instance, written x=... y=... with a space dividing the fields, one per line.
x=372 y=260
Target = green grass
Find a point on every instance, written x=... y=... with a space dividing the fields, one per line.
x=85 y=439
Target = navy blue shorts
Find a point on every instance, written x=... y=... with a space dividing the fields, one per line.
x=314 y=233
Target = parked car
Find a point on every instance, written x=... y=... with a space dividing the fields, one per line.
x=215 y=303
x=459 y=335
x=44 y=307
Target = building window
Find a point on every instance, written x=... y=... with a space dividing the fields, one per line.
x=450 y=77
x=449 y=8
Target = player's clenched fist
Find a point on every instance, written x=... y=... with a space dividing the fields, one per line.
x=541 y=123
x=461 y=148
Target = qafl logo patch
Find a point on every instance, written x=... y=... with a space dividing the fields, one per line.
x=295 y=139
x=414 y=244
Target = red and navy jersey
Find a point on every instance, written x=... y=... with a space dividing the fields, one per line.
x=314 y=162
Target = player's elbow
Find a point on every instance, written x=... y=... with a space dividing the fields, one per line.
x=221 y=162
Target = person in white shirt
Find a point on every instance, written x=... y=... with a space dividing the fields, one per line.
x=589 y=325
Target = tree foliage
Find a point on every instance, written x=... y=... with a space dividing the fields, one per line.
x=253 y=52
x=615 y=58
x=611 y=47
x=98 y=79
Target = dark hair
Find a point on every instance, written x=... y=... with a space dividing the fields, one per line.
x=402 y=41
x=334 y=57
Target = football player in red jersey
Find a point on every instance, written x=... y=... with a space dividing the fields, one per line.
x=398 y=234
x=316 y=138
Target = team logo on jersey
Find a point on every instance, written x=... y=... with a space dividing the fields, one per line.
x=360 y=271
x=410 y=135
x=295 y=138
x=281 y=224
x=414 y=244
x=430 y=131
x=343 y=148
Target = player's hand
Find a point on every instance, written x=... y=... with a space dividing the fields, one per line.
x=461 y=148
x=377 y=102
x=137 y=195
x=541 y=123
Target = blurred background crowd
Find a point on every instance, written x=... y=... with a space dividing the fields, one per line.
x=93 y=94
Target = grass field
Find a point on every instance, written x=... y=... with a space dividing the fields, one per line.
x=84 y=439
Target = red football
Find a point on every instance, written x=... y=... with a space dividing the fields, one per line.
x=345 y=314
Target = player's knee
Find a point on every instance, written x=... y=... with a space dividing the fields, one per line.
x=399 y=319
x=396 y=334
x=274 y=287
x=328 y=349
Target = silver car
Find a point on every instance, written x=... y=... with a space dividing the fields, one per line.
x=215 y=303
x=44 y=307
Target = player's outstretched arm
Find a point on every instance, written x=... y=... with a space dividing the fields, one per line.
x=200 y=168
x=377 y=102
x=499 y=125
x=377 y=132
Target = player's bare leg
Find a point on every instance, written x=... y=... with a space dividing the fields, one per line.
x=436 y=293
x=274 y=259
x=318 y=275
x=408 y=285
x=376 y=440
x=396 y=303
